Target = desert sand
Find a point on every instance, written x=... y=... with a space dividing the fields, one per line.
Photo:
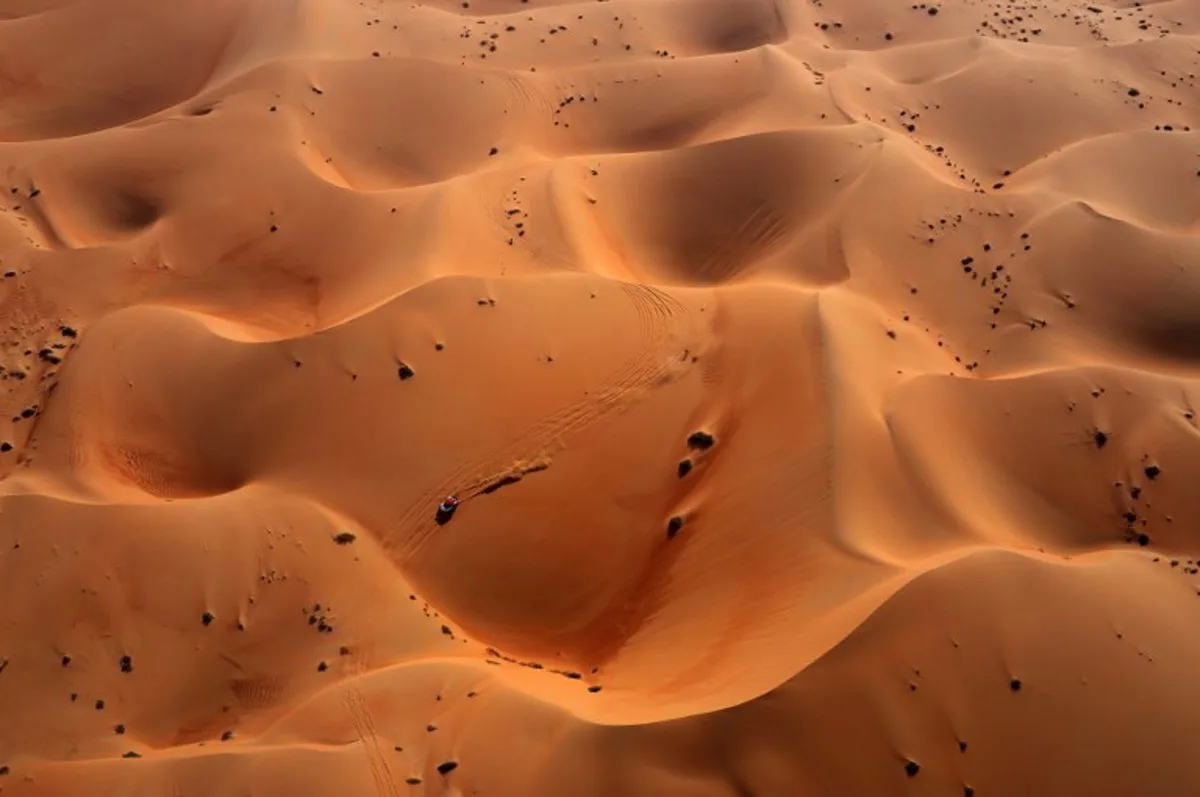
x=819 y=379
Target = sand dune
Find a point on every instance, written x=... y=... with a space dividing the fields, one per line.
x=819 y=381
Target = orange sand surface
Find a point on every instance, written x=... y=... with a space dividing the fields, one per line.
x=277 y=276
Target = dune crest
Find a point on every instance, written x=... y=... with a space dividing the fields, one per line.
x=818 y=383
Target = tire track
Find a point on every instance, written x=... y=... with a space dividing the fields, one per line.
x=530 y=101
x=364 y=727
x=754 y=237
x=656 y=313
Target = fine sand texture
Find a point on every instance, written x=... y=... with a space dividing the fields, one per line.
x=819 y=379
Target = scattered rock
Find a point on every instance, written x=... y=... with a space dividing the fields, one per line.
x=131 y=754
x=119 y=729
x=126 y=663
x=674 y=525
x=1015 y=684
x=446 y=767
x=700 y=440
x=227 y=736
x=345 y=537
x=413 y=781
x=322 y=666
x=1101 y=438
x=911 y=769
x=207 y=618
x=99 y=704
x=685 y=467
x=1152 y=472
x=66 y=660
x=404 y=371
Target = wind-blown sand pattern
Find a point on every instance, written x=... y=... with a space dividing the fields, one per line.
x=279 y=275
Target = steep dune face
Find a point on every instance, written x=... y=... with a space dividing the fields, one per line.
x=819 y=384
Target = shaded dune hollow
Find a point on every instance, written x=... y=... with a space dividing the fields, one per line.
x=817 y=385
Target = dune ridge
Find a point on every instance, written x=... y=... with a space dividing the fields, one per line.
x=819 y=380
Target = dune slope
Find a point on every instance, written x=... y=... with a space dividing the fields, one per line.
x=819 y=382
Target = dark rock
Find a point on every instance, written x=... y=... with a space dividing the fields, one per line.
x=700 y=440
x=685 y=467
x=1152 y=472
x=126 y=663
x=404 y=371
x=1015 y=684
x=344 y=537
x=207 y=618
x=673 y=526
x=446 y=767
x=911 y=769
